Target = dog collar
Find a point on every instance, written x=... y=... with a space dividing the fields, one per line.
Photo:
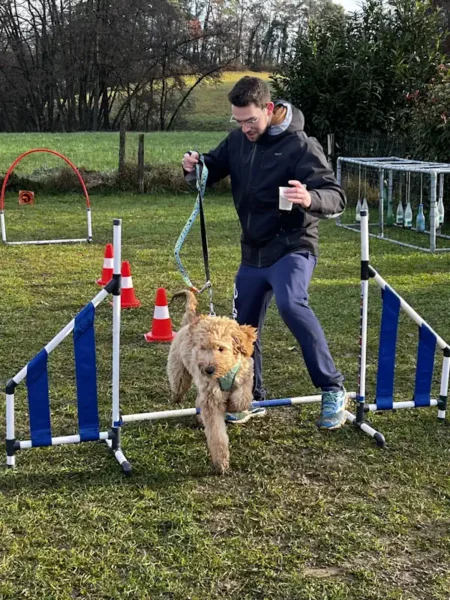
x=227 y=380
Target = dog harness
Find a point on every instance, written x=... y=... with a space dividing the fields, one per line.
x=227 y=380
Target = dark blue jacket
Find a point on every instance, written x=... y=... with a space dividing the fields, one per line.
x=258 y=169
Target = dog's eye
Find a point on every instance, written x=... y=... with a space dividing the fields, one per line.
x=221 y=348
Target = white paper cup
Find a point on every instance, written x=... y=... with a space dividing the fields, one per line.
x=283 y=202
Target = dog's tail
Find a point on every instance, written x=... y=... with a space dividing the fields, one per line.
x=190 y=314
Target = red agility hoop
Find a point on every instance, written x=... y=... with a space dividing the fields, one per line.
x=83 y=186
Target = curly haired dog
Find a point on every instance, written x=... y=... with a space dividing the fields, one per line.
x=214 y=353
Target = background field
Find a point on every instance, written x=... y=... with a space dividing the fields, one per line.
x=302 y=515
x=209 y=119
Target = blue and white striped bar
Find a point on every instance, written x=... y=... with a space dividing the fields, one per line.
x=190 y=412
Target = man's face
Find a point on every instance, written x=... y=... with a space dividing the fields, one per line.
x=252 y=119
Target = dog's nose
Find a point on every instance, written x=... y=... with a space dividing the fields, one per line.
x=210 y=370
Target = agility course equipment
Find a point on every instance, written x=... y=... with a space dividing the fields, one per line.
x=26 y=198
x=83 y=186
x=429 y=340
x=36 y=375
x=107 y=269
x=397 y=185
x=36 y=371
x=128 y=296
x=161 y=330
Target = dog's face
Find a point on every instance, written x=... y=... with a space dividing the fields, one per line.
x=219 y=343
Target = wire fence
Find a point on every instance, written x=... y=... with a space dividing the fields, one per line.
x=364 y=145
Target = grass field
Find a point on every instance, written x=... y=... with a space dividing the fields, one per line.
x=99 y=151
x=303 y=515
x=209 y=119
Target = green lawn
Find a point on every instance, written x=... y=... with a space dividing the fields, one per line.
x=99 y=151
x=302 y=515
x=209 y=118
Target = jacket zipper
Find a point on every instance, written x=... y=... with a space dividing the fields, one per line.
x=251 y=165
x=248 y=184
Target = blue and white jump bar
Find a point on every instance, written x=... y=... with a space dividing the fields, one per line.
x=429 y=341
x=190 y=412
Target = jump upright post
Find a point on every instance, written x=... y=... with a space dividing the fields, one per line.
x=429 y=341
x=35 y=373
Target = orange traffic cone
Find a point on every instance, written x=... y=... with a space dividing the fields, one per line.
x=128 y=299
x=161 y=326
x=107 y=271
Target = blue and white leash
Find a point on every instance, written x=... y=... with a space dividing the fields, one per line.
x=201 y=172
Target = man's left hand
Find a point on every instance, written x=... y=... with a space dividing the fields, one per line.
x=298 y=194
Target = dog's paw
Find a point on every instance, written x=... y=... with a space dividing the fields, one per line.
x=177 y=398
x=221 y=468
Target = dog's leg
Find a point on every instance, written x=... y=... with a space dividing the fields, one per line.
x=179 y=378
x=239 y=400
x=199 y=417
x=216 y=435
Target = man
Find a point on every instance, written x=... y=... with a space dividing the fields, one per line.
x=269 y=149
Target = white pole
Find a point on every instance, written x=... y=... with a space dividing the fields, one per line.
x=399 y=405
x=10 y=428
x=443 y=394
x=363 y=315
x=433 y=210
x=381 y=207
x=89 y=224
x=116 y=324
x=3 y=227
x=46 y=242
x=62 y=439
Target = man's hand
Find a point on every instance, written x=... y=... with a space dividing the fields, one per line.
x=298 y=194
x=189 y=161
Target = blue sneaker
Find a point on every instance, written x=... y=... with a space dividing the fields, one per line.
x=332 y=413
x=245 y=415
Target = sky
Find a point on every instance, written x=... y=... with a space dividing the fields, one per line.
x=349 y=5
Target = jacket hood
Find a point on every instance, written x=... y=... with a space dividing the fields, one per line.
x=294 y=120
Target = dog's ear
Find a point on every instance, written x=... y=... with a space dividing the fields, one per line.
x=244 y=336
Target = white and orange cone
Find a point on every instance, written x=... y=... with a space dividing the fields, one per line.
x=128 y=298
x=107 y=271
x=161 y=325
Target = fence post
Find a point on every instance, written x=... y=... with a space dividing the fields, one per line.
x=122 y=148
x=141 y=164
x=331 y=150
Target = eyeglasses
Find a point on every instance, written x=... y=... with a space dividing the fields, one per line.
x=248 y=122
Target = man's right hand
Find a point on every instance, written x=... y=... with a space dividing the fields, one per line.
x=190 y=159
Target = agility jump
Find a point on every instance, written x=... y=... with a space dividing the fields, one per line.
x=83 y=186
x=429 y=340
x=36 y=375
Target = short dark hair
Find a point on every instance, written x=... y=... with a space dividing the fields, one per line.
x=250 y=90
